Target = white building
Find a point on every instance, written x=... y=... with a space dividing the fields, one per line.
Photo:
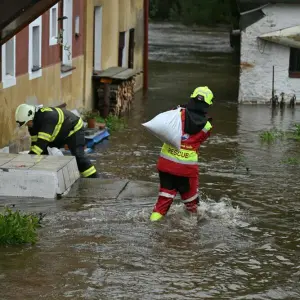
x=270 y=36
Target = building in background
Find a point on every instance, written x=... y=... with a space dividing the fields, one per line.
x=269 y=37
x=53 y=59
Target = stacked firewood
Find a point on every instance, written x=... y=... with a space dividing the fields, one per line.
x=120 y=98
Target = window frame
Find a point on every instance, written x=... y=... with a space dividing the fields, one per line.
x=131 y=48
x=294 y=63
x=67 y=26
x=35 y=73
x=122 y=41
x=8 y=80
x=123 y=49
x=98 y=38
x=53 y=38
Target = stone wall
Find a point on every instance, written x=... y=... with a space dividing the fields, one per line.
x=258 y=57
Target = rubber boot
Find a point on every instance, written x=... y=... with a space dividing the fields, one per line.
x=155 y=216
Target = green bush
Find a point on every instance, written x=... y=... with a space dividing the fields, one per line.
x=113 y=123
x=17 y=228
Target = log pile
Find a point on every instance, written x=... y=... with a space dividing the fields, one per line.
x=120 y=97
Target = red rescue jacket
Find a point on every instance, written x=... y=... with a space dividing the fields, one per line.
x=184 y=162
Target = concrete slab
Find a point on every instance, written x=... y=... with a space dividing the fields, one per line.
x=29 y=158
x=17 y=165
x=36 y=176
x=139 y=189
x=97 y=189
x=6 y=158
x=51 y=158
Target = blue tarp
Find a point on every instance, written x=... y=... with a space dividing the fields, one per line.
x=92 y=140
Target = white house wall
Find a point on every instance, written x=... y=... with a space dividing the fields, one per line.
x=258 y=57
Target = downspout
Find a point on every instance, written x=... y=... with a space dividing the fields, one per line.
x=146 y=43
x=85 y=19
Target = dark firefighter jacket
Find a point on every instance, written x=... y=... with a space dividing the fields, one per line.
x=51 y=127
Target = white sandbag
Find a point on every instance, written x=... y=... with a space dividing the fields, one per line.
x=51 y=151
x=24 y=152
x=54 y=151
x=167 y=127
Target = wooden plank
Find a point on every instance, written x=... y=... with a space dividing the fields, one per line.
x=110 y=72
x=125 y=74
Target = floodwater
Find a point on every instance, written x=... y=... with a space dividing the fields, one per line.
x=246 y=247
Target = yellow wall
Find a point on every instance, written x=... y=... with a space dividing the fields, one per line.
x=76 y=89
x=110 y=40
x=50 y=89
x=132 y=16
x=118 y=15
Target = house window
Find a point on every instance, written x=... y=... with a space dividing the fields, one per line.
x=131 y=49
x=53 y=25
x=67 y=37
x=9 y=63
x=10 y=58
x=123 y=49
x=35 y=49
x=77 y=26
x=294 y=68
x=36 y=53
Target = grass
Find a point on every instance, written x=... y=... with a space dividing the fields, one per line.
x=17 y=228
x=295 y=133
x=297 y=129
x=113 y=123
x=271 y=135
x=274 y=134
x=291 y=161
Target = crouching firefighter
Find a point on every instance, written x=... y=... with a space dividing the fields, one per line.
x=55 y=127
x=178 y=169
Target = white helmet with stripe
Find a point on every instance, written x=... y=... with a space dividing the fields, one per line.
x=24 y=114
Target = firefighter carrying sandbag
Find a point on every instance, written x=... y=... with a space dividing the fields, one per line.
x=178 y=169
x=55 y=127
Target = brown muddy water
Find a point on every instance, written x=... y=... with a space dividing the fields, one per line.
x=247 y=246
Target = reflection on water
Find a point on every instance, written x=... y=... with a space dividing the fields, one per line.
x=244 y=243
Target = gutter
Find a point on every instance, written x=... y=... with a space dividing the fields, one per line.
x=146 y=44
x=253 y=10
x=247 y=19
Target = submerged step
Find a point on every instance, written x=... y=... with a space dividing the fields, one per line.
x=23 y=175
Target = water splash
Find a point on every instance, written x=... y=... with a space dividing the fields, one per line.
x=222 y=211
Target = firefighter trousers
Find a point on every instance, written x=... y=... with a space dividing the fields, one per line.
x=76 y=144
x=170 y=185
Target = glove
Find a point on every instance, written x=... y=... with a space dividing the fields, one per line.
x=183 y=106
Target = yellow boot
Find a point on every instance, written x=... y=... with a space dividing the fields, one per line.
x=155 y=216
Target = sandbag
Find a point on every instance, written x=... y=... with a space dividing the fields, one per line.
x=51 y=151
x=167 y=126
x=54 y=151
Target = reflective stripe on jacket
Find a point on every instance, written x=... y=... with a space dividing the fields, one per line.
x=51 y=126
x=183 y=162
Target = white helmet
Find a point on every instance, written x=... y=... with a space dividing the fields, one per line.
x=24 y=113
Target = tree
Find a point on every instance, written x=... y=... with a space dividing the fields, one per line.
x=202 y=12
